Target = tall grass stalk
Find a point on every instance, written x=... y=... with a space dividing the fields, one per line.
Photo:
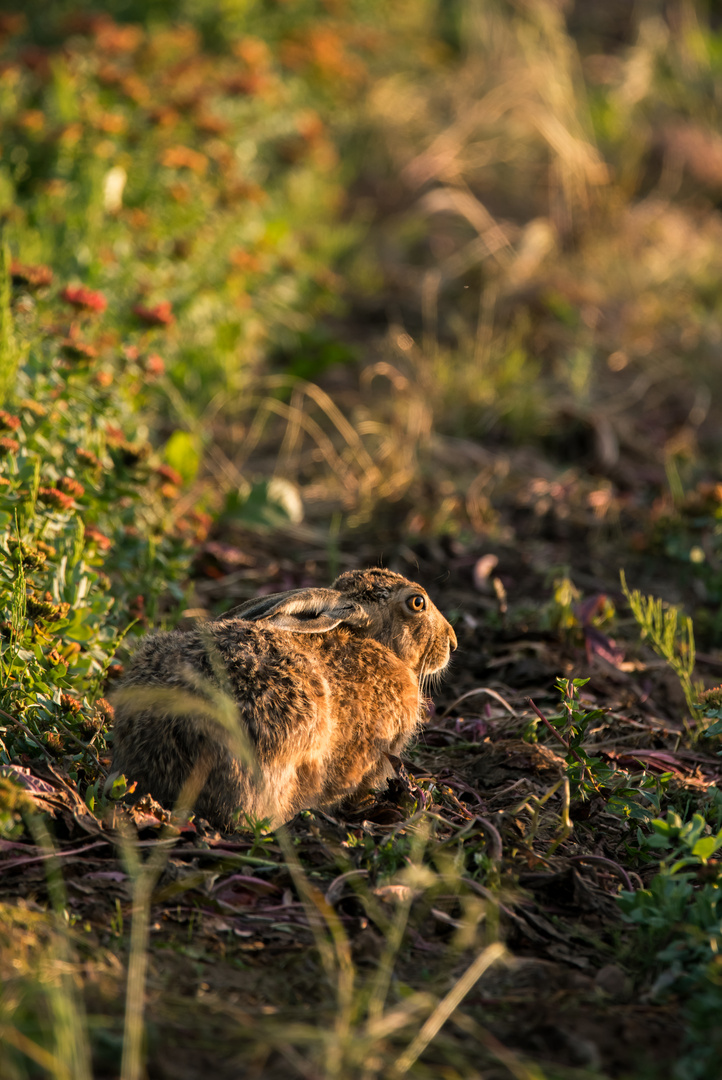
x=395 y=932
x=448 y=1005
x=144 y=878
x=71 y=1060
x=335 y=956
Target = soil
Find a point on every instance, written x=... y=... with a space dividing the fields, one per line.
x=233 y=965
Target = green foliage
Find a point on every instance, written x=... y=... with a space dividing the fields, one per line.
x=687 y=840
x=385 y=858
x=195 y=187
x=710 y=705
x=559 y=613
x=639 y=798
x=183 y=453
x=314 y=353
x=89 y=540
x=104 y=793
x=586 y=773
x=678 y=920
x=634 y=798
x=265 y=504
x=261 y=829
x=8 y=349
x=671 y=635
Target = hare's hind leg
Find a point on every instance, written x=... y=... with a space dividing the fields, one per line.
x=182 y=761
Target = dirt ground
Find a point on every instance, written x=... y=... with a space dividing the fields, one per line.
x=233 y=968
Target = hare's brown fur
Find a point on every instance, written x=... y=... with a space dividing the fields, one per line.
x=326 y=684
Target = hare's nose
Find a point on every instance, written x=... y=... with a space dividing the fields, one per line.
x=452 y=638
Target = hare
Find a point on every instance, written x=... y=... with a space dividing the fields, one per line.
x=323 y=684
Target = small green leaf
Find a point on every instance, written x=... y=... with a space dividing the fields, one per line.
x=118 y=788
x=183 y=453
x=705 y=847
x=267 y=504
x=77 y=541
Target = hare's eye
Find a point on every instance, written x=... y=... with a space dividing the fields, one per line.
x=416 y=603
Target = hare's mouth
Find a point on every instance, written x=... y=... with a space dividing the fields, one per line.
x=435 y=663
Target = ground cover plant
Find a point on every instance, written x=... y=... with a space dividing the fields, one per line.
x=292 y=288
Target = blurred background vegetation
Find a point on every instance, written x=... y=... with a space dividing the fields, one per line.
x=477 y=229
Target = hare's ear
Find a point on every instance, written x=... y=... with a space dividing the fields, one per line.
x=303 y=611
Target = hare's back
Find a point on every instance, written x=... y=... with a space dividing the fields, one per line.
x=270 y=677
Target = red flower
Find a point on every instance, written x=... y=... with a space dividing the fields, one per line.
x=169 y=474
x=114 y=435
x=182 y=157
x=160 y=315
x=32 y=276
x=54 y=497
x=87 y=457
x=95 y=536
x=197 y=528
x=70 y=704
x=71 y=487
x=34 y=407
x=8 y=446
x=8 y=422
x=105 y=710
x=80 y=297
x=154 y=366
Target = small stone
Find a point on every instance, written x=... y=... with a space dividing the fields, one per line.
x=614 y=982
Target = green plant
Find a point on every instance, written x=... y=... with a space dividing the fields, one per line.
x=639 y=798
x=559 y=613
x=260 y=827
x=678 y=920
x=88 y=542
x=199 y=203
x=571 y=726
x=671 y=635
x=710 y=705
x=385 y=858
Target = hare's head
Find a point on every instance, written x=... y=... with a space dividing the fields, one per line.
x=401 y=616
x=374 y=603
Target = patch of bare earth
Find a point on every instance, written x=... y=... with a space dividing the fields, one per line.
x=234 y=970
